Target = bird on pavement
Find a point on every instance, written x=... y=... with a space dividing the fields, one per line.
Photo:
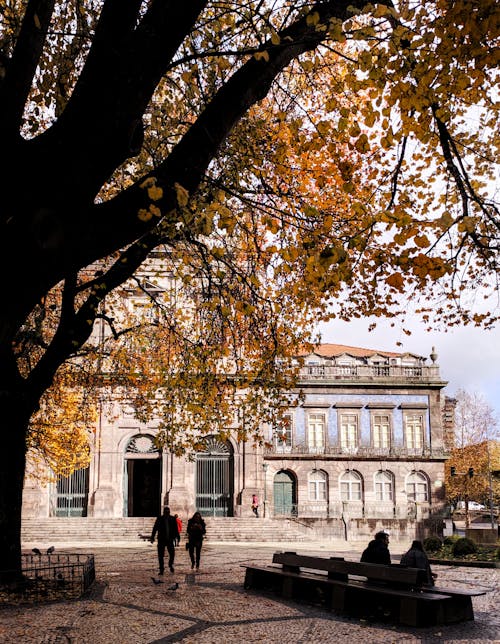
x=50 y=550
x=173 y=586
x=156 y=581
x=36 y=551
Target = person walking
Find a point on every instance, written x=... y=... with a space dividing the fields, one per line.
x=196 y=530
x=378 y=550
x=255 y=505
x=416 y=557
x=168 y=534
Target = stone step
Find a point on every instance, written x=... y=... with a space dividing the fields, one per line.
x=72 y=529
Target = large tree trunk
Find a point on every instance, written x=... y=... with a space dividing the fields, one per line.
x=15 y=418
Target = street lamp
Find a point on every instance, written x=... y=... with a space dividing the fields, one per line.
x=264 y=469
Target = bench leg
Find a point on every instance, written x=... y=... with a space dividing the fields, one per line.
x=337 y=602
x=287 y=587
x=413 y=612
x=458 y=609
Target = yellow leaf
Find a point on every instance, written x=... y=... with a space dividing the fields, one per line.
x=155 y=193
x=261 y=55
x=362 y=144
x=312 y=19
x=275 y=39
x=182 y=195
x=396 y=281
x=144 y=215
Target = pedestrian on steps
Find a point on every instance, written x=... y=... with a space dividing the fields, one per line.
x=255 y=505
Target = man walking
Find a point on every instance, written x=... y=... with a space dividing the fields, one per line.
x=168 y=534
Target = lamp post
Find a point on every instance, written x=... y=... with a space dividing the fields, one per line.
x=264 y=469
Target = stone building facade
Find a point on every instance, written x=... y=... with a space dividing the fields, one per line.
x=363 y=445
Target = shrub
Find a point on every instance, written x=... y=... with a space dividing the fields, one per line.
x=451 y=540
x=498 y=553
x=464 y=546
x=432 y=544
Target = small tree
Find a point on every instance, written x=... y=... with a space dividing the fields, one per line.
x=476 y=429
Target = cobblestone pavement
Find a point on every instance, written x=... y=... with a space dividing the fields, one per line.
x=124 y=606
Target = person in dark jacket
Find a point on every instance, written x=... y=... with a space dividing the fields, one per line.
x=168 y=535
x=417 y=558
x=377 y=550
x=196 y=530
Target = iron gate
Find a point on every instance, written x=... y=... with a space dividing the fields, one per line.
x=70 y=494
x=214 y=479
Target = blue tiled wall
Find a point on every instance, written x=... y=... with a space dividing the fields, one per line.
x=364 y=399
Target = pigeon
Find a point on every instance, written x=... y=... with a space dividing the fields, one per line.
x=156 y=581
x=50 y=550
x=173 y=586
x=36 y=551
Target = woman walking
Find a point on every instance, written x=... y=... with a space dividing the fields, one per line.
x=196 y=531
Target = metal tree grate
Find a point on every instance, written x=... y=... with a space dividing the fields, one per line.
x=50 y=577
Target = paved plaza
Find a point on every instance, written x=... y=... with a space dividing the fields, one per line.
x=124 y=606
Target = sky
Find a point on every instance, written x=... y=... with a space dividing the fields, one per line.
x=468 y=358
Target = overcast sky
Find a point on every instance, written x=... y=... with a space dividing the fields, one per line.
x=468 y=358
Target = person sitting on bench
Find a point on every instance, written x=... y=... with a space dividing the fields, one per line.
x=416 y=557
x=378 y=550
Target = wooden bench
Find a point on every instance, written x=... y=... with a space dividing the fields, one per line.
x=363 y=590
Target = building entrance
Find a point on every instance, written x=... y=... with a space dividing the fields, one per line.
x=214 y=479
x=142 y=478
x=144 y=483
x=285 y=494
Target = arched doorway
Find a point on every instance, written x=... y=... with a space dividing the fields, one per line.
x=142 y=478
x=285 y=494
x=70 y=494
x=214 y=478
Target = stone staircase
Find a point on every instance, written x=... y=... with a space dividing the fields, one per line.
x=127 y=529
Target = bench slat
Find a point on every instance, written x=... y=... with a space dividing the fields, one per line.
x=378 y=572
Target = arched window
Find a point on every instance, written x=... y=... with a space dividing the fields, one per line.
x=318 y=486
x=351 y=486
x=417 y=487
x=384 y=486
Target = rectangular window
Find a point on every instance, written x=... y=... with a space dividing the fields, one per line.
x=350 y=491
x=317 y=490
x=316 y=424
x=383 y=489
x=381 y=430
x=284 y=432
x=348 y=431
x=417 y=492
x=414 y=431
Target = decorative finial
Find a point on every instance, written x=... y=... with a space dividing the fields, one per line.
x=433 y=355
